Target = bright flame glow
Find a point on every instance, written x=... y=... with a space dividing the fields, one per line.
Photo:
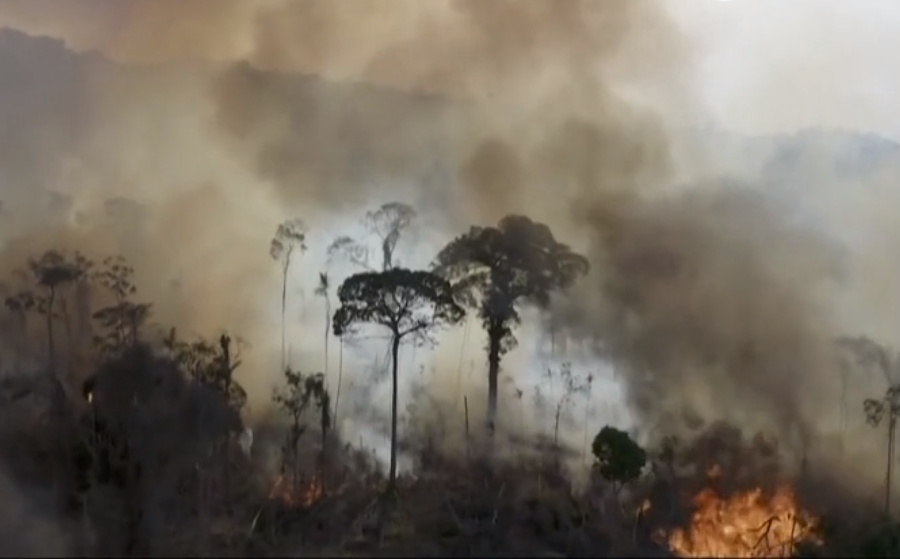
x=747 y=524
x=305 y=496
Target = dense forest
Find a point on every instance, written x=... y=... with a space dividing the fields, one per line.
x=120 y=436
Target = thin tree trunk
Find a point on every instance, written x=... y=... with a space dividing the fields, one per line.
x=892 y=426
x=51 y=350
x=82 y=316
x=587 y=419
x=284 y=276
x=466 y=411
x=23 y=340
x=61 y=480
x=494 y=341
x=337 y=397
x=392 y=475
x=327 y=330
x=122 y=320
x=462 y=351
x=552 y=342
x=64 y=308
x=559 y=406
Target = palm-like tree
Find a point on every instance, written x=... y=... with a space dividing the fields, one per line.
x=409 y=304
x=322 y=291
x=290 y=236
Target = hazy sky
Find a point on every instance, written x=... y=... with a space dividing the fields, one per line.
x=756 y=66
x=776 y=64
x=764 y=65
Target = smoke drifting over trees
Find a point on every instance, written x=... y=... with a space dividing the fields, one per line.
x=180 y=134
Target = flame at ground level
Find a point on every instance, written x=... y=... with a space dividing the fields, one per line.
x=747 y=524
x=304 y=496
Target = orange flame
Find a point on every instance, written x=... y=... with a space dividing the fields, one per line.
x=748 y=524
x=305 y=496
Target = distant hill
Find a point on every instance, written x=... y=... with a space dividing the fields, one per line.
x=841 y=155
x=849 y=154
x=44 y=100
x=335 y=129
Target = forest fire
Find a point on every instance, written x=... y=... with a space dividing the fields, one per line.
x=305 y=496
x=746 y=524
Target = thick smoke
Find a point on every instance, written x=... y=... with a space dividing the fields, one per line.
x=216 y=152
x=220 y=118
x=714 y=304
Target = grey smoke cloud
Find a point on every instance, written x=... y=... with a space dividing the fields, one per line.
x=216 y=118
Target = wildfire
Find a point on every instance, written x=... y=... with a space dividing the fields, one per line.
x=748 y=524
x=307 y=495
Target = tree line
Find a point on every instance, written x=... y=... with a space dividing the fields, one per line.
x=89 y=311
x=491 y=271
x=89 y=314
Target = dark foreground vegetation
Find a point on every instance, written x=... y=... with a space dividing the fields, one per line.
x=120 y=437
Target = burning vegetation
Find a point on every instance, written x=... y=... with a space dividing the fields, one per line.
x=305 y=496
x=124 y=416
x=746 y=524
x=716 y=492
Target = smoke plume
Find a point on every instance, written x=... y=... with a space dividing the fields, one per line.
x=186 y=130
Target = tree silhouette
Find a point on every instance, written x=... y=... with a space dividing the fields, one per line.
x=572 y=385
x=496 y=269
x=322 y=291
x=294 y=400
x=20 y=304
x=210 y=364
x=123 y=319
x=152 y=428
x=406 y=302
x=387 y=224
x=75 y=292
x=52 y=271
x=865 y=354
x=620 y=460
x=289 y=236
x=877 y=410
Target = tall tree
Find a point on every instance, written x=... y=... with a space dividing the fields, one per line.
x=886 y=409
x=410 y=304
x=300 y=394
x=337 y=396
x=53 y=271
x=20 y=304
x=863 y=355
x=123 y=319
x=322 y=291
x=496 y=270
x=290 y=236
x=387 y=224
